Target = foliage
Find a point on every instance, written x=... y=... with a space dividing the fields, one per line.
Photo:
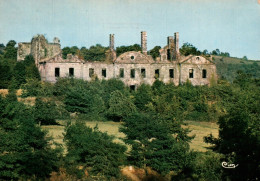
x=217 y=52
x=153 y=144
x=34 y=87
x=45 y=112
x=5 y=76
x=205 y=166
x=109 y=86
x=155 y=52
x=244 y=58
x=122 y=49
x=143 y=96
x=189 y=49
x=120 y=106
x=25 y=151
x=96 y=53
x=84 y=99
x=10 y=50
x=26 y=69
x=239 y=133
x=93 y=150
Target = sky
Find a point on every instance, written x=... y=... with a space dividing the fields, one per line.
x=230 y=25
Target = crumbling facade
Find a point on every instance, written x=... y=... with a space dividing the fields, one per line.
x=133 y=68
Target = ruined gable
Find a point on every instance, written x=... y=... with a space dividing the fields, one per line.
x=133 y=57
x=196 y=60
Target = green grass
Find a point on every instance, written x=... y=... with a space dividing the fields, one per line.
x=199 y=129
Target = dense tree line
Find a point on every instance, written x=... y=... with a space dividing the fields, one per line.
x=13 y=73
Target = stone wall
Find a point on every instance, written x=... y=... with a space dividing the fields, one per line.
x=39 y=48
x=23 y=50
x=81 y=71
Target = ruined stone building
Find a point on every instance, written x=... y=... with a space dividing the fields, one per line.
x=133 y=68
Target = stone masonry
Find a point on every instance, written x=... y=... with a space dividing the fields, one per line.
x=133 y=68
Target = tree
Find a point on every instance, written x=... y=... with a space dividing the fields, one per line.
x=93 y=150
x=189 y=49
x=10 y=50
x=65 y=52
x=31 y=71
x=153 y=144
x=26 y=69
x=205 y=52
x=2 y=47
x=19 y=73
x=109 y=86
x=122 y=49
x=45 y=112
x=244 y=58
x=155 y=52
x=5 y=76
x=239 y=134
x=84 y=99
x=143 y=96
x=96 y=53
x=120 y=106
x=25 y=151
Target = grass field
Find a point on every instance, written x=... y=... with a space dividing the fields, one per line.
x=200 y=129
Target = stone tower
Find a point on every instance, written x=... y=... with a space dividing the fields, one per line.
x=144 y=42
x=38 y=48
x=112 y=41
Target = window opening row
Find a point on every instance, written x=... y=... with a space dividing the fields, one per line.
x=204 y=73
x=57 y=72
x=121 y=73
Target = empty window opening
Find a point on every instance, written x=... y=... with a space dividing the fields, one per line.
x=143 y=73
x=132 y=87
x=122 y=73
x=191 y=73
x=169 y=54
x=171 y=72
x=71 y=72
x=57 y=72
x=157 y=73
x=104 y=73
x=91 y=72
x=132 y=73
x=132 y=57
x=204 y=73
x=197 y=58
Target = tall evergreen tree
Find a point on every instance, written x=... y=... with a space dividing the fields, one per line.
x=93 y=150
x=153 y=144
x=25 y=153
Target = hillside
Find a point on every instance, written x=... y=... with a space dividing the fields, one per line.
x=227 y=67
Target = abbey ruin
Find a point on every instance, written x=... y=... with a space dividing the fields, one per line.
x=133 y=68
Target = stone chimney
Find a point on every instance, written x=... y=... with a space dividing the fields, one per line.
x=111 y=41
x=144 y=42
x=170 y=50
x=176 y=42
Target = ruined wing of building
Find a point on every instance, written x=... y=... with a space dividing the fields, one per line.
x=133 y=68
